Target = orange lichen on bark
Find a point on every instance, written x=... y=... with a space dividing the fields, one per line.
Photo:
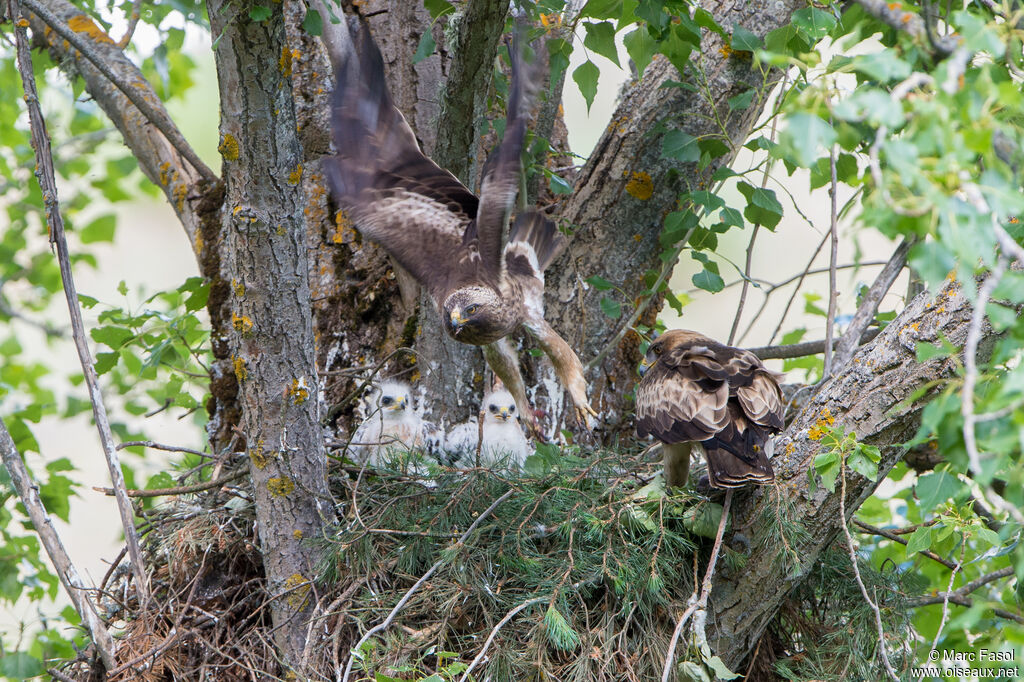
x=80 y=23
x=298 y=391
x=295 y=176
x=241 y=373
x=281 y=486
x=297 y=588
x=241 y=323
x=258 y=457
x=640 y=186
x=228 y=147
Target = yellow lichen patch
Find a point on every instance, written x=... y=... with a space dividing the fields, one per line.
x=285 y=62
x=281 y=486
x=281 y=231
x=23 y=22
x=298 y=391
x=241 y=373
x=83 y=24
x=198 y=242
x=551 y=21
x=815 y=433
x=343 y=231
x=790 y=448
x=414 y=377
x=295 y=176
x=297 y=588
x=297 y=534
x=725 y=51
x=258 y=457
x=241 y=323
x=179 y=193
x=238 y=288
x=826 y=416
x=638 y=238
x=164 y=176
x=640 y=186
x=228 y=147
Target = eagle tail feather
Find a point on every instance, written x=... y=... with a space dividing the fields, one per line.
x=532 y=227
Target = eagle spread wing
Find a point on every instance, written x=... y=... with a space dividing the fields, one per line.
x=438 y=230
x=700 y=391
x=392 y=192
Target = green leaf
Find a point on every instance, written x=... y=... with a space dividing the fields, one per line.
x=438 y=8
x=585 y=76
x=602 y=9
x=720 y=669
x=804 y=138
x=989 y=536
x=708 y=281
x=814 y=22
x=641 y=47
x=21 y=666
x=99 y=230
x=741 y=101
x=703 y=519
x=87 y=301
x=827 y=465
x=705 y=19
x=936 y=487
x=122 y=288
x=559 y=632
x=259 y=13
x=111 y=336
x=762 y=206
x=601 y=39
x=599 y=283
x=313 y=23
x=680 y=146
x=612 y=309
x=558 y=185
x=743 y=40
x=883 y=66
x=919 y=540
x=425 y=47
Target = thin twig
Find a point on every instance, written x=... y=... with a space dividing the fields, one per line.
x=133 y=21
x=856 y=571
x=55 y=224
x=945 y=600
x=180 y=490
x=494 y=633
x=699 y=604
x=971 y=362
x=889 y=535
x=746 y=281
x=796 y=290
x=419 y=583
x=833 y=294
x=964 y=589
x=158 y=118
x=161 y=446
x=965 y=601
x=69 y=577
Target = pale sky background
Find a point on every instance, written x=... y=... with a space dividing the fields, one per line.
x=151 y=253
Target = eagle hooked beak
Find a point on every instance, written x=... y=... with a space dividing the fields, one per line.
x=399 y=403
x=503 y=414
x=644 y=366
x=457 y=321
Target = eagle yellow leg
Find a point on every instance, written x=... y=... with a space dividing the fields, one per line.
x=676 y=461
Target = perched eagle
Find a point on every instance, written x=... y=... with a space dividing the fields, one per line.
x=503 y=440
x=450 y=240
x=695 y=390
x=392 y=424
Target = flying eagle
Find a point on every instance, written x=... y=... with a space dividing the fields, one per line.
x=698 y=391
x=503 y=438
x=392 y=424
x=450 y=240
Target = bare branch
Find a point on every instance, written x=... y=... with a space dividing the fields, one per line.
x=832 y=261
x=869 y=305
x=73 y=584
x=55 y=224
x=180 y=490
x=893 y=14
x=157 y=116
x=888 y=534
x=965 y=589
x=494 y=633
x=133 y=21
x=945 y=600
x=799 y=350
x=971 y=363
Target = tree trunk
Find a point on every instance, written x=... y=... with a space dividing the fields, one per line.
x=271 y=340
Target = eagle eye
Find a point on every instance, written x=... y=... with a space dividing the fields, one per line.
x=657 y=350
x=494 y=409
x=512 y=408
x=472 y=309
x=386 y=400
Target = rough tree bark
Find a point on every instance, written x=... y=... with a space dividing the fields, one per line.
x=868 y=398
x=272 y=337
